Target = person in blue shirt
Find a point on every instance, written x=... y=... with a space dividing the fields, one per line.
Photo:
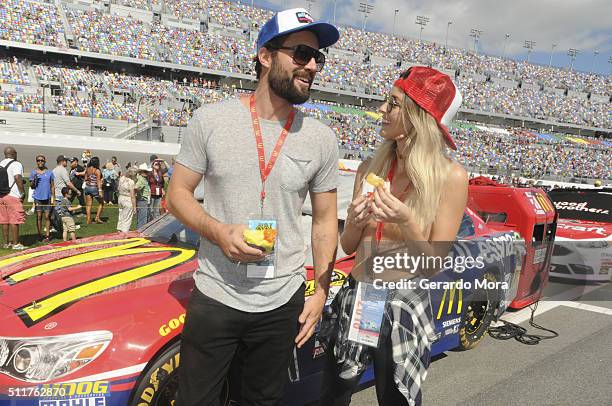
x=42 y=181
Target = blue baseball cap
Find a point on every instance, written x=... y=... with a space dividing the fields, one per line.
x=294 y=20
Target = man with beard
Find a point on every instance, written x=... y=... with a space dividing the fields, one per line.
x=257 y=157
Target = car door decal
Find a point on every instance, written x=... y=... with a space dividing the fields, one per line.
x=45 y=307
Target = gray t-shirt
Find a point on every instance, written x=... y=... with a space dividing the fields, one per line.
x=61 y=180
x=220 y=144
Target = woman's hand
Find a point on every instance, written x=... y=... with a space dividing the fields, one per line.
x=387 y=208
x=358 y=212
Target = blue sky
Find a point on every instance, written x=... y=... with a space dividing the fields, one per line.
x=585 y=25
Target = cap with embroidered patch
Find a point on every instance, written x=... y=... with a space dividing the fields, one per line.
x=294 y=20
x=434 y=92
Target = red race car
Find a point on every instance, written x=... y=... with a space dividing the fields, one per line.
x=98 y=322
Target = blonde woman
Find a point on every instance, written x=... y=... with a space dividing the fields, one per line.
x=421 y=203
x=127 y=199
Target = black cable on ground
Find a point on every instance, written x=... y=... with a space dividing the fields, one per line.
x=510 y=330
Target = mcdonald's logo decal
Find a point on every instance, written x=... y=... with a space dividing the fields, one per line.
x=451 y=301
x=44 y=307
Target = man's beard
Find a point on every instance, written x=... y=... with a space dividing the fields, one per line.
x=282 y=84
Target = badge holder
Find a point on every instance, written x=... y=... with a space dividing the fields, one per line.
x=367 y=316
x=262 y=234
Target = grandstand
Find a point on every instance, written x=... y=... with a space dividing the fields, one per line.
x=136 y=69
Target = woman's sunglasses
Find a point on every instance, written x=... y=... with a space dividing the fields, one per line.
x=391 y=103
x=40 y=160
x=302 y=54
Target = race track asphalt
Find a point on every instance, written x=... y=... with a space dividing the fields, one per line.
x=572 y=369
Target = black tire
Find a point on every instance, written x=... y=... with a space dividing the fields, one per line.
x=159 y=383
x=478 y=315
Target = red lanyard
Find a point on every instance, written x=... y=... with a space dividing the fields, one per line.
x=380 y=225
x=264 y=170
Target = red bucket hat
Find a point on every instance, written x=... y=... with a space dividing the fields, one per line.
x=435 y=93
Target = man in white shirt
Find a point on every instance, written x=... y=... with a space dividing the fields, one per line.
x=11 y=199
x=62 y=178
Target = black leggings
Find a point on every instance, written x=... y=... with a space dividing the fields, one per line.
x=337 y=391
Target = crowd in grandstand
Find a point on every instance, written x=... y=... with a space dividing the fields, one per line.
x=530 y=156
x=97 y=31
x=83 y=92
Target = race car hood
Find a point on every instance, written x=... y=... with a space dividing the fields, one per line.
x=80 y=283
x=583 y=230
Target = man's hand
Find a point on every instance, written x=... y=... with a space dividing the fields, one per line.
x=229 y=238
x=310 y=317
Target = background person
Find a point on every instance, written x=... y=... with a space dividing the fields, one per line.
x=156 y=185
x=77 y=175
x=127 y=200
x=61 y=179
x=223 y=147
x=143 y=194
x=93 y=189
x=109 y=177
x=424 y=204
x=43 y=184
x=11 y=199
x=64 y=210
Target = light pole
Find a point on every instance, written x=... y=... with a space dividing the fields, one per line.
x=552 y=49
x=138 y=115
x=505 y=43
x=92 y=100
x=474 y=33
x=366 y=9
x=181 y=123
x=448 y=24
x=394 y=18
x=335 y=1
x=595 y=53
x=310 y=5
x=529 y=44
x=422 y=21
x=572 y=52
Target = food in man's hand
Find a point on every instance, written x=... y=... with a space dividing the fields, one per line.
x=262 y=239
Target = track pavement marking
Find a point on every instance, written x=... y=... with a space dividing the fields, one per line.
x=588 y=307
x=562 y=299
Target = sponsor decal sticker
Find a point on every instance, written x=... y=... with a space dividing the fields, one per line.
x=42 y=308
x=172 y=325
x=304 y=18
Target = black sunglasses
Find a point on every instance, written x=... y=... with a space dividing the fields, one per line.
x=302 y=54
x=40 y=160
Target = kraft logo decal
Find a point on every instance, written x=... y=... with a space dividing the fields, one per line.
x=42 y=308
x=451 y=301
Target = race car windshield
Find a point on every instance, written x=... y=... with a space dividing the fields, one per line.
x=168 y=230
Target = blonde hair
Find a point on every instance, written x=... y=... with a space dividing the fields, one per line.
x=425 y=161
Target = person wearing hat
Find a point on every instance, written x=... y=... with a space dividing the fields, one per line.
x=143 y=195
x=257 y=157
x=419 y=206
